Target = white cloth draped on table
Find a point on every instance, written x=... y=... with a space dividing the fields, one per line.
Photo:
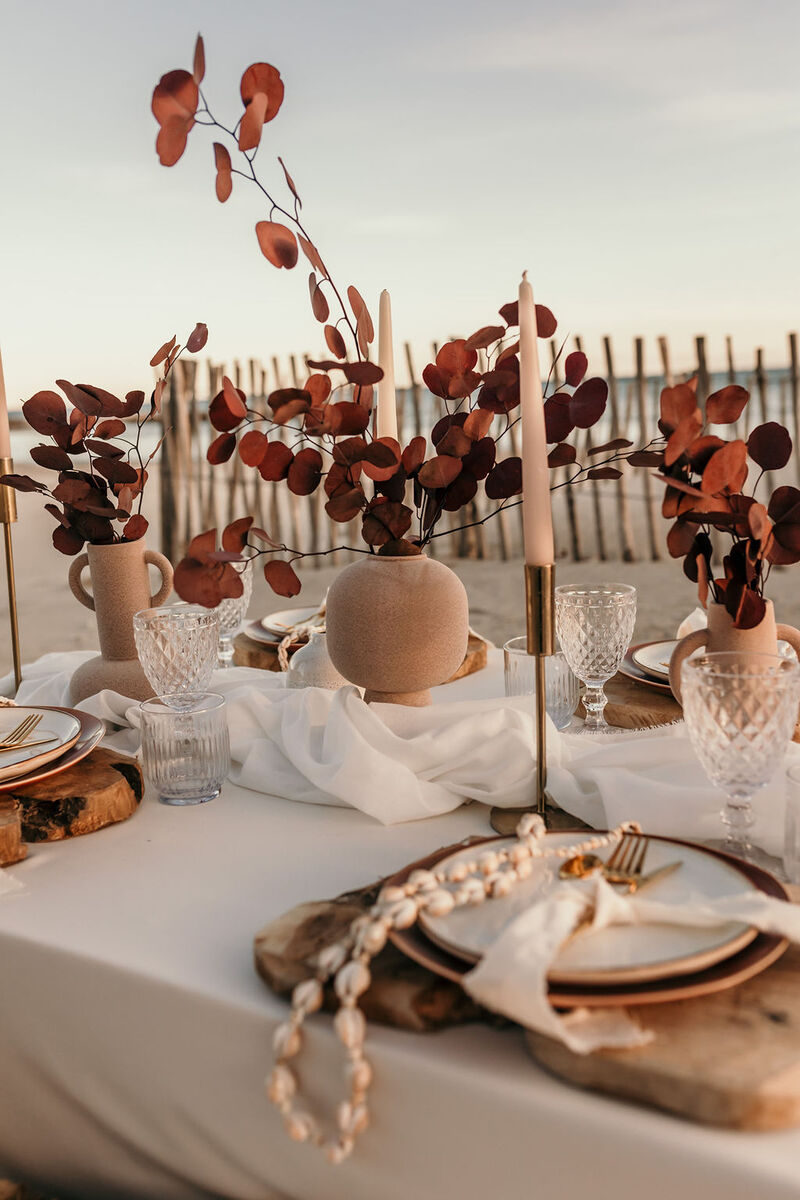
x=400 y=764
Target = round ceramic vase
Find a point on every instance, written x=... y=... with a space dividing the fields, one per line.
x=397 y=626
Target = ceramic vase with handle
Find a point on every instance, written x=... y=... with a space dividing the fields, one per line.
x=120 y=588
x=397 y=626
x=721 y=634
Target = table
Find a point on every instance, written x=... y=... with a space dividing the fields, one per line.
x=135 y=1036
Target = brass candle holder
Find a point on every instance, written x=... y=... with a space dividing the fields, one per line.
x=540 y=613
x=8 y=514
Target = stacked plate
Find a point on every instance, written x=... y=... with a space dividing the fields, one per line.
x=649 y=663
x=273 y=629
x=61 y=739
x=630 y=964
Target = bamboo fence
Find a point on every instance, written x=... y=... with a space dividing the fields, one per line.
x=612 y=520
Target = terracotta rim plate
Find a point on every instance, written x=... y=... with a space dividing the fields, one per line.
x=750 y=961
x=653 y=657
x=633 y=671
x=619 y=954
x=60 y=724
x=91 y=732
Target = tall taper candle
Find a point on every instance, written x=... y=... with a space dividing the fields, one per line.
x=537 y=517
x=5 y=432
x=386 y=420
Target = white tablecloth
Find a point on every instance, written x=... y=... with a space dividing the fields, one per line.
x=134 y=1037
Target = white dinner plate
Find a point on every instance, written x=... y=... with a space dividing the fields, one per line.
x=619 y=954
x=256 y=631
x=62 y=727
x=281 y=622
x=654 y=657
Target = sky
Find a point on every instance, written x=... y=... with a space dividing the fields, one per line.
x=639 y=159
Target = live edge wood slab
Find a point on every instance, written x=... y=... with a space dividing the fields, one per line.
x=104 y=788
x=730 y=1059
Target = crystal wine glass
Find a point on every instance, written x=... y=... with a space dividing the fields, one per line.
x=177 y=647
x=594 y=623
x=231 y=613
x=740 y=711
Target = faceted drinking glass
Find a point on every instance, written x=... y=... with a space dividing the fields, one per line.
x=594 y=623
x=740 y=711
x=562 y=692
x=185 y=752
x=177 y=647
x=231 y=613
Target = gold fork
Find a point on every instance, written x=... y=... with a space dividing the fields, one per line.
x=22 y=731
x=626 y=864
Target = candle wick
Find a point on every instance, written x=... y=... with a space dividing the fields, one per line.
x=524 y=276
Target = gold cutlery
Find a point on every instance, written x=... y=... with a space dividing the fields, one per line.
x=18 y=735
x=625 y=866
x=26 y=745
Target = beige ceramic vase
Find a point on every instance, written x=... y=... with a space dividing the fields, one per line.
x=397 y=626
x=722 y=635
x=120 y=588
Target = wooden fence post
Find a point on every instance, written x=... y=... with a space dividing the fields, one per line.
x=626 y=539
x=649 y=499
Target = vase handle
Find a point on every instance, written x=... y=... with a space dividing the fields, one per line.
x=165 y=567
x=788 y=633
x=685 y=647
x=78 y=590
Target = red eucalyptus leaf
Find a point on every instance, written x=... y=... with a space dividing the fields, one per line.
x=158 y=392
x=700 y=451
x=588 y=403
x=346 y=505
x=385 y=521
x=727 y=468
x=319 y=304
x=115 y=470
x=226 y=411
x=676 y=403
x=683 y=436
x=619 y=443
x=562 y=455
x=770 y=446
x=454 y=442
x=335 y=341
x=275 y=462
x=575 y=367
x=290 y=183
x=197 y=338
x=318 y=388
x=175 y=95
x=500 y=378
x=23 y=483
x=456 y=357
x=341 y=478
x=56 y=512
x=110 y=428
x=361 y=313
x=224 y=181
x=414 y=455
x=679 y=485
x=347 y=418
x=84 y=401
x=603 y=473
x=158 y=357
x=505 y=479
x=510 y=313
x=67 y=540
x=52 y=458
x=508 y=352
x=110 y=405
x=443 y=424
x=439 y=472
x=263 y=79
x=234 y=536
x=349 y=451
x=362 y=372
x=135 y=528
x=252 y=122
x=759 y=523
x=305 y=472
x=45 y=412
x=484 y=337
x=104 y=449
x=252 y=448
x=726 y=406
x=558 y=421
x=381 y=459
x=460 y=492
x=784 y=505
x=277 y=243
x=282 y=578
x=199 y=61
x=478 y=423
x=313 y=256
x=680 y=539
x=436 y=380
x=546 y=324
x=646 y=458
x=480 y=460
x=220 y=450
x=171 y=140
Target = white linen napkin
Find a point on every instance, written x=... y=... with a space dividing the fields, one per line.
x=511 y=978
x=697 y=619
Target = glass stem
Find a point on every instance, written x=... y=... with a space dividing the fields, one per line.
x=225 y=657
x=594 y=701
x=737 y=816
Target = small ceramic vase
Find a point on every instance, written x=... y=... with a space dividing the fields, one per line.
x=397 y=626
x=120 y=588
x=311 y=666
x=721 y=634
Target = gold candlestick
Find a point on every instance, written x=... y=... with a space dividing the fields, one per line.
x=8 y=514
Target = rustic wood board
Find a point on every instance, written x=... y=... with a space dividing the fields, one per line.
x=731 y=1059
x=633 y=705
x=12 y=849
x=249 y=653
x=105 y=787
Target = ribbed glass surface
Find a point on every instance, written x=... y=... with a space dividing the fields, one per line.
x=185 y=752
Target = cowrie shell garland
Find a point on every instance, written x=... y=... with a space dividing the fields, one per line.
x=490 y=874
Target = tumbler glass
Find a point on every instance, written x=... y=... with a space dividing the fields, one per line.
x=594 y=623
x=231 y=613
x=791 y=841
x=185 y=752
x=740 y=711
x=562 y=691
x=177 y=647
